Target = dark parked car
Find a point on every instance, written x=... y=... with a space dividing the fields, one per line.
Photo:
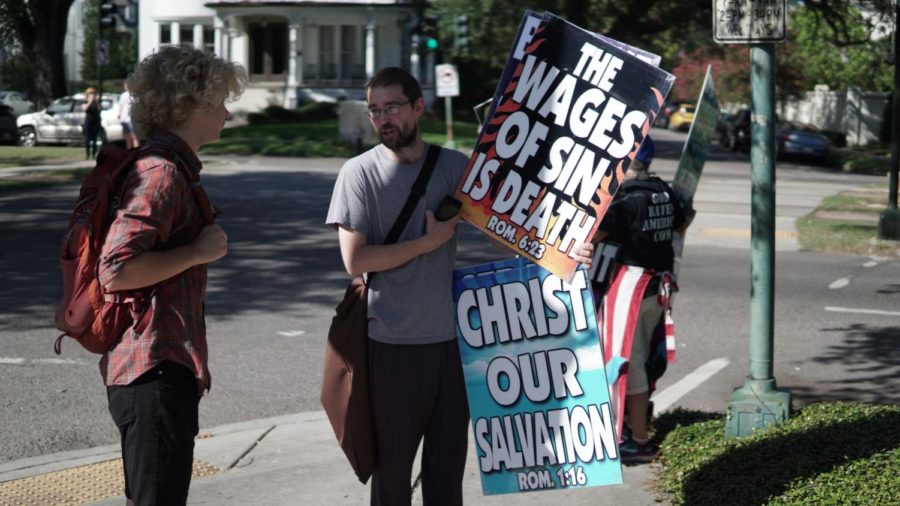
x=9 y=132
x=725 y=119
x=662 y=119
x=802 y=141
x=736 y=132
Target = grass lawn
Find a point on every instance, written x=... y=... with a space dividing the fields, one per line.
x=16 y=156
x=847 y=223
x=318 y=138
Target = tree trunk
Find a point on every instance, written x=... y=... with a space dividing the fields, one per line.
x=41 y=28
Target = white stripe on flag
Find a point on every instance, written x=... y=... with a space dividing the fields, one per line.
x=623 y=306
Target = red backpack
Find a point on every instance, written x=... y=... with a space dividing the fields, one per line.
x=86 y=313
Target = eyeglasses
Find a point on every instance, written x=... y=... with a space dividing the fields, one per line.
x=390 y=110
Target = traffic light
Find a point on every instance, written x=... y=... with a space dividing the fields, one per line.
x=430 y=31
x=107 y=13
x=461 y=30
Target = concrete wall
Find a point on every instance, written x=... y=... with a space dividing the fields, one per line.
x=856 y=113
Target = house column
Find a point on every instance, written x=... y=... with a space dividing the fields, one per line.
x=295 y=65
x=370 y=48
x=175 y=29
x=198 y=36
x=218 y=39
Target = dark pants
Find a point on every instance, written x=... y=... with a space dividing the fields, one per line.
x=91 y=130
x=418 y=391
x=157 y=418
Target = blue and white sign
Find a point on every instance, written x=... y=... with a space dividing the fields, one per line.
x=534 y=373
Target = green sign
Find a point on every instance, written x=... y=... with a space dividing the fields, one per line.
x=690 y=167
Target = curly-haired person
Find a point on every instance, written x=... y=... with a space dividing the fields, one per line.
x=155 y=259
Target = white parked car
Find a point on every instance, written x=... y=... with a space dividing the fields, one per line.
x=60 y=122
x=16 y=101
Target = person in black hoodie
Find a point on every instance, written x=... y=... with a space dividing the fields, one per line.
x=641 y=220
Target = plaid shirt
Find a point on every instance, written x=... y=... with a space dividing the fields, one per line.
x=159 y=212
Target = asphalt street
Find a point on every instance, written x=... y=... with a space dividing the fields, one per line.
x=271 y=299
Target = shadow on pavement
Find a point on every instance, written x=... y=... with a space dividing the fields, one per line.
x=280 y=251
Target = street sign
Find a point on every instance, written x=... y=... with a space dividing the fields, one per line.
x=102 y=52
x=749 y=21
x=447 y=80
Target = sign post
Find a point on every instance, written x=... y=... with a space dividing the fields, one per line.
x=447 y=86
x=759 y=23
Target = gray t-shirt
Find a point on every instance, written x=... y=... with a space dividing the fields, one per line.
x=412 y=303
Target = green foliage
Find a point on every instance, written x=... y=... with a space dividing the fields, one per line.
x=313 y=136
x=813 y=49
x=828 y=453
x=122 y=50
x=15 y=73
x=312 y=111
x=645 y=24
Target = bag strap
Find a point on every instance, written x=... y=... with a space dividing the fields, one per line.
x=415 y=194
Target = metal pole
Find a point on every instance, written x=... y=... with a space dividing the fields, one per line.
x=758 y=403
x=448 y=116
x=762 y=227
x=889 y=220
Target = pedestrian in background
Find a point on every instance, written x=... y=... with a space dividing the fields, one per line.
x=131 y=140
x=91 y=126
x=641 y=220
x=155 y=255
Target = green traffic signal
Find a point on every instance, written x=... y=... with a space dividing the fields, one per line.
x=431 y=43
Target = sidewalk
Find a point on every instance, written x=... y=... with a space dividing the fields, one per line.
x=294 y=459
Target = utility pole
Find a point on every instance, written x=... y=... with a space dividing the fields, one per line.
x=889 y=220
x=758 y=403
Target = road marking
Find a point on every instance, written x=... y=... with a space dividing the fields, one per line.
x=57 y=361
x=835 y=309
x=40 y=361
x=870 y=264
x=292 y=333
x=839 y=283
x=666 y=398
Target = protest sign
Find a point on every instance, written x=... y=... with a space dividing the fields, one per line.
x=693 y=155
x=536 y=385
x=566 y=121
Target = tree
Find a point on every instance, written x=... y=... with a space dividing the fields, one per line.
x=844 y=54
x=665 y=28
x=122 y=48
x=37 y=28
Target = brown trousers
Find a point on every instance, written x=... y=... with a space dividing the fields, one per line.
x=418 y=391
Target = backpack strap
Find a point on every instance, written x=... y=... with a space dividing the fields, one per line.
x=415 y=194
x=206 y=208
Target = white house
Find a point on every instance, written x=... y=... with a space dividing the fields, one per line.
x=293 y=50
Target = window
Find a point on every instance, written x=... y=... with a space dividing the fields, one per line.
x=186 y=35
x=341 y=54
x=61 y=105
x=209 y=39
x=165 y=35
x=327 y=53
x=352 y=54
x=268 y=50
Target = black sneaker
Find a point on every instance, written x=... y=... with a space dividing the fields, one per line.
x=633 y=453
